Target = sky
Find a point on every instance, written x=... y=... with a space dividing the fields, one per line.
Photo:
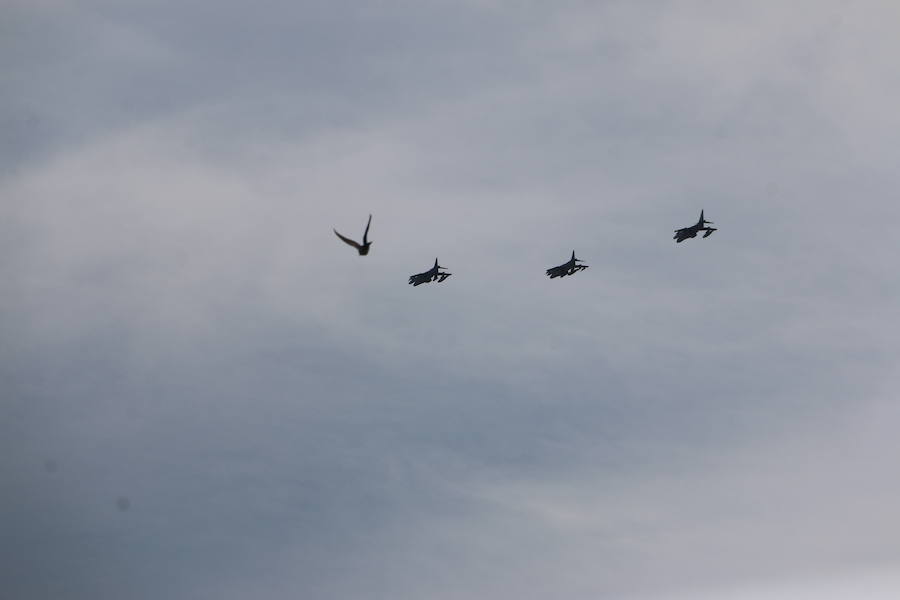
x=206 y=395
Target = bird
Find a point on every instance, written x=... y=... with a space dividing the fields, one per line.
x=363 y=248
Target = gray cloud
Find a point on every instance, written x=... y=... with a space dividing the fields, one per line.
x=180 y=328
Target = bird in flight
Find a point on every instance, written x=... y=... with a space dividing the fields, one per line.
x=363 y=248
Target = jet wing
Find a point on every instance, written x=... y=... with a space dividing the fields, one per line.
x=428 y=277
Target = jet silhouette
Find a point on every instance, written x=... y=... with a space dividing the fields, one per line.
x=362 y=248
x=569 y=268
x=693 y=230
x=432 y=274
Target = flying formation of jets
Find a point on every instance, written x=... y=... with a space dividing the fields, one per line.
x=568 y=268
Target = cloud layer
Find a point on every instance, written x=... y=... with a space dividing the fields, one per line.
x=181 y=329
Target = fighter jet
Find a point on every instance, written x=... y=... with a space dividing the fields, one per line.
x=362 y=248
x=569 y=268
x=432 y=274
x=693 y=230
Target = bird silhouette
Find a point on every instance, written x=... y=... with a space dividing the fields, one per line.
x=363 y=248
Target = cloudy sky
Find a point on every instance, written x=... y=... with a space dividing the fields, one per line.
x=205 y=395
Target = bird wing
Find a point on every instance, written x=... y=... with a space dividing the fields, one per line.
x=347 y=240
x=366 y=234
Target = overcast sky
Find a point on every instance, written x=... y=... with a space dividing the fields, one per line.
x=206 y=396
